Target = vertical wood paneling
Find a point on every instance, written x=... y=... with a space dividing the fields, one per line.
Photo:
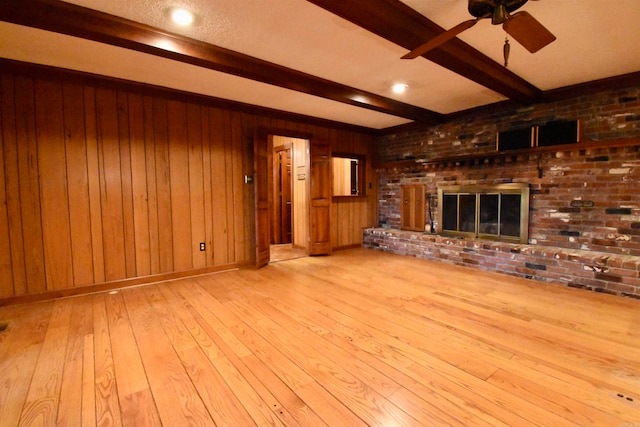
x=127 y=191
x=6 y=277
x=218 y=161
x=152 y=187
x=248 y=125
x=110 y=184
x=93 y=171
x=179 y=181
x=227 y=180
x=78 y=183
x=207 y=184
x=139 y=185
x=351 y=216
x=101 y=182
x=196 y=185
x=163 y=185
x=29 y=198
x=53 y=190
x=13 y=280
x=235 y=192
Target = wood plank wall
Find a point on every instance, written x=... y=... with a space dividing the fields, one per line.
x=103 y=181
x=350 y=215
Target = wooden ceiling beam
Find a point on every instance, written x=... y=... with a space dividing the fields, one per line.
x=77 y=21
x=398 y=23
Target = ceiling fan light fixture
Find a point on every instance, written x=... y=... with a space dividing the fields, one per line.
x=500 y=14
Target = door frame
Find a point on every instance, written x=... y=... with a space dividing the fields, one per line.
x=277 y=213
x=263 y=146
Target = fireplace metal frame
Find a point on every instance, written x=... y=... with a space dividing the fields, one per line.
x=511 y=188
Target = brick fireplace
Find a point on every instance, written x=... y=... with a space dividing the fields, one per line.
x=495 y=212
x=584 y=213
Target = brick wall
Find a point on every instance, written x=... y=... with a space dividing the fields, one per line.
x=582 y=199
x=591 y=270
x=605 y=115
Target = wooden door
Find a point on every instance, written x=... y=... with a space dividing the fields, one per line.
x=412 y=212
x=320 y=198
x=261 y=185
x=282 y=194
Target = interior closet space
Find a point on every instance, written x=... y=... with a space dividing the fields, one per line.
x=289 y=194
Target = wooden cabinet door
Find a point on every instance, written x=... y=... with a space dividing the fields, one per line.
x=261 y=183
x=320 y=198
x=412 y=211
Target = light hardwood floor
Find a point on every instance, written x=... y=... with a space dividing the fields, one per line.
x=357 y=338
x=285 y=252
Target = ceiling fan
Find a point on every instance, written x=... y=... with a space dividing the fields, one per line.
x=523 y=27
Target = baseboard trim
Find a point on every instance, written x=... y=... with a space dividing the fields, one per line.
x=117 y=284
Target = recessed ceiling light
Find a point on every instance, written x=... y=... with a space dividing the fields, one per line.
x=399 y=88
x=182 y=17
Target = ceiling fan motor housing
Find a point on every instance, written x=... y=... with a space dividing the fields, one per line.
x=485 y=8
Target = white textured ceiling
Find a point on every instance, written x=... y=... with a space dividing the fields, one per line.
x=595 y=39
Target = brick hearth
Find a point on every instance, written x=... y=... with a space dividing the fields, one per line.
x=592 y=270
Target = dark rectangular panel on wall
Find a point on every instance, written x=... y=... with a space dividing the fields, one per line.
x=515 y=139
x=558 y=132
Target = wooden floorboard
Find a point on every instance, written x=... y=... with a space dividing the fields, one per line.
x=360 y=337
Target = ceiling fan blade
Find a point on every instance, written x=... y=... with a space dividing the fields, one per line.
x=440 y=39
x=527 y=31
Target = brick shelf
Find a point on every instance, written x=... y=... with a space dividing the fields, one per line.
x=501 y=157
x=597 y=271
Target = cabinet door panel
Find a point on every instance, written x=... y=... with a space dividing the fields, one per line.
x=320 y=198
x=412 y=211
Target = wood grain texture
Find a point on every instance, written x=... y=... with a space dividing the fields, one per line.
x=106 y=181
x=28 y=200
x=300 y=210
x=6 y=274
x=179 y=185
x=358 y=338
x=110 y=170
x=54 y=195
x=19 y=350
x=196 y=185
x=77 y=21
x=106 y=398
x=140 y=191
x=319 y=197
x=124 y=138
x=14 y=278
x=71 y=389
x=43 y=398
x=93 y=178
x=78 y=184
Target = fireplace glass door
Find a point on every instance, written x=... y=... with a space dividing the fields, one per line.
x=498 y=212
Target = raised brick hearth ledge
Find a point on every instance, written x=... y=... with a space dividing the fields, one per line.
x=597 y=271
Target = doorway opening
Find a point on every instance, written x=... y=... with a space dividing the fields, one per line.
x=288 y=198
